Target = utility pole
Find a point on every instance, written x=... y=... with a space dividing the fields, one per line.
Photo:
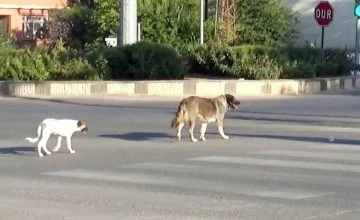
x=127 y=33
x=225 y=21
x=202 y=21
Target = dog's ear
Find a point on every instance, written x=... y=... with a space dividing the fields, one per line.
x=79 y=123
x=229 y=98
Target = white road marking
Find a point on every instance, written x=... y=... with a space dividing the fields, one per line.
x=214 y=186
x=241 y=173
x=308 y=154
x=280 y=163
x=343 y=212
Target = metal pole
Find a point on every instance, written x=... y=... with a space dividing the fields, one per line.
x=322 y=43
x=357 y=44
x=139 y=32
x=128 y=22
x=201 y=21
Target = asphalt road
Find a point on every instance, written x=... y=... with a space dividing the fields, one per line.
x=277 y=164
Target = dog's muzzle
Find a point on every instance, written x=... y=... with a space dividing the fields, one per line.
x=235 y=104
x=84 y=130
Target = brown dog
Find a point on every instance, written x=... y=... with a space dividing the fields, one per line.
x=207 y=109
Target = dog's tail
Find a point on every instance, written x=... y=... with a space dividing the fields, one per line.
x=180 y=115
x=39 y=129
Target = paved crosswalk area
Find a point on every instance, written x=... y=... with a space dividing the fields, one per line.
x=277 y=165
x=310 y=183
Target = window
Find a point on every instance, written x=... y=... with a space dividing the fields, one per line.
x=31 y=25
x=4 y=26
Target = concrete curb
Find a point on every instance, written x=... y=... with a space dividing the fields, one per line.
x=178 y=88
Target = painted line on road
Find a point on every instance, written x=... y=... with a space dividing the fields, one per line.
x=288 y=126
x=214 y=186
x=308 y=154
x=339 y=213
x=280 y=163
x=299 y=117
x=242 y=173
x=5 y=157
x=336 y=146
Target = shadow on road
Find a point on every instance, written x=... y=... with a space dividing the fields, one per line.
x=300 y=138
x=16 y=150
x=139 y=136
x=170 y=110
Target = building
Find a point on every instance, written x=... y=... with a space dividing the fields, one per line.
x=21 y=19
x=340 y=32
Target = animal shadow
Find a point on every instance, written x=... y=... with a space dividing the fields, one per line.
x=139 y=136
x=16 y=150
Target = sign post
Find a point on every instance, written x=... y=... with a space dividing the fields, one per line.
x=357 y=15
x=323 y=14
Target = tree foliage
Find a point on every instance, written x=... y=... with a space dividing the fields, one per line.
x=176 y=22
x=266 y=22
x=71 y=25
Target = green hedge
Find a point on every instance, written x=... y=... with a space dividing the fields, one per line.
x=45 y=63
x=140 y=61
x=261 y=62
x=145 y=60
x=154 y=61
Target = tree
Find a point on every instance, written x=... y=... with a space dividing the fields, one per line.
x=266 y=22
x=176 y=22
x=72 y=26
x=105 y=16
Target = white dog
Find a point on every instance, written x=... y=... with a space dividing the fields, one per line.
x=60 y=128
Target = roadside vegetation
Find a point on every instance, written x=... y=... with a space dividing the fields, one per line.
x=74 y=45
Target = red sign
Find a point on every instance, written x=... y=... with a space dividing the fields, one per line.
x=324 y=13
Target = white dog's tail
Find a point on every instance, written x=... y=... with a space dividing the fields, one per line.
x=39 y=129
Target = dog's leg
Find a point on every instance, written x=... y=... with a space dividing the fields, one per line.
x=39 y=149
x=42 y=144
x=191 y=130
x=221 y=130
x=203 y=130
x=68 y=139
x=58 y=145
x=179 y=128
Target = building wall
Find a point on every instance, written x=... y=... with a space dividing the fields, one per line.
x=340 y=33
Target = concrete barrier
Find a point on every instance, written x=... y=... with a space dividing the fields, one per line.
x=179 y=88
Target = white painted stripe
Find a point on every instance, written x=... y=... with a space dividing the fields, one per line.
x=308 y=154
x=281 y=163
x=280 y=116
x=287 y=126
x=335 y=146
x=331 y=215
x=242 y=173
x=214 y=186
x=5 y=157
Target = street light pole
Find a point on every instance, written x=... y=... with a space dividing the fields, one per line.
x=128 y=23
x=201 y=21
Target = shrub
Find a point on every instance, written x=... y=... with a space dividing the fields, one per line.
x=263 y=62
x=49 y=63
x=145 y=60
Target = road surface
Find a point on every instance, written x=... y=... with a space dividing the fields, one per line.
x=277 y=164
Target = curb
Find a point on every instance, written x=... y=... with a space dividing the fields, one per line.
x=177 y=88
